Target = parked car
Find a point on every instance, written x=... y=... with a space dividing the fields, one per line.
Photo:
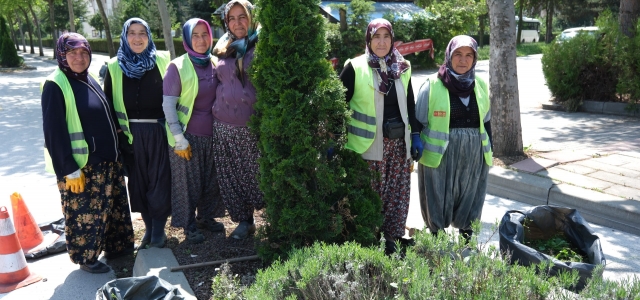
x=570 y=33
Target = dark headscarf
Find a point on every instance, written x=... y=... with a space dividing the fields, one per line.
x=392 y=65
x=460 y=84
x=134 y=65
x=67 y=42
x=187 y=30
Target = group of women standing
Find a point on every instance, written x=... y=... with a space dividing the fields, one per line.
x=177 y=129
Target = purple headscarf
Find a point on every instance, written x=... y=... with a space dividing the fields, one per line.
x=392 y=65
x=67 y=42
x=460 y=84
x=187 y=30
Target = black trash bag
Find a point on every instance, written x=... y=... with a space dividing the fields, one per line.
x=59 y=245
x=139 y=288
x=546 y=222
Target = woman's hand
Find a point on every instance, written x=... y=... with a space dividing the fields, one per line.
x=182 y=147
x=416 y=146
x=75 y=182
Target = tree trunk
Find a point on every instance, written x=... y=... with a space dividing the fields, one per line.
x=26 y=19
x=549 y=34
x=24 y=44
x=35 y=19
x=14 y=35
x=52 y=24
x=343 y=20
x=629 y=10
x=520 y=22
x=503 y=83
x=166 y=27
x=72 y=19
x=107 y=29
x=481 y=26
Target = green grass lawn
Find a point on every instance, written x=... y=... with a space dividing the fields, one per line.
x=521 y=50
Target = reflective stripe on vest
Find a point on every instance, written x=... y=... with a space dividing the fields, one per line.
x=189 y=83
x=361 y=130
x=162 y=60
x=436 y=136
x=79 y=146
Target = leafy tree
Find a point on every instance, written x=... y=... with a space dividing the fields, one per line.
x=97 y=23
x=146 y=10
x=309 y=196
x=60 y=15
x=8 y=54
x=107 y=29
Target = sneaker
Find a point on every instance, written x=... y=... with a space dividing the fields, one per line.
x=243 y=230
x=194 y=237
x=113 y=255
x=210 y=224
x=95 y=268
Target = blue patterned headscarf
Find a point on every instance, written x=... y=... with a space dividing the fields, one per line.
x=134 y=65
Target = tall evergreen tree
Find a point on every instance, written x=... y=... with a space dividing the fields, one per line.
x=309 y=196
x=8 y=53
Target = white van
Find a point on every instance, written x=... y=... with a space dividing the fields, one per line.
x=530 y=30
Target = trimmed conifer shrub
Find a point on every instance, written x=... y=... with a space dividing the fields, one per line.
x=301 y=113
x=8 y=54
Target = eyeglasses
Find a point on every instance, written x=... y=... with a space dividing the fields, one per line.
x=77 y=54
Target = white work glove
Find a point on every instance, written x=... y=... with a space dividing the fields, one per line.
x=181 y=142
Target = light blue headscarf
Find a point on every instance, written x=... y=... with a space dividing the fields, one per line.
x=134 y=65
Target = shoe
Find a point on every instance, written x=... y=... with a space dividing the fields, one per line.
x=96 y=268
x=210 y=224
x=389 y=247
x=162 y=242
x=144 y=243
x=112 y=255
x=243 y=230
x=194 y=237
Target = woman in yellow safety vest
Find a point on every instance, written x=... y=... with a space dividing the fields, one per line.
x=134 y=82
x=455 y=110
x=81 y=142
x=383 y=127
x=189 y=91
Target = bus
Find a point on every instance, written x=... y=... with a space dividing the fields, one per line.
x=530 y=30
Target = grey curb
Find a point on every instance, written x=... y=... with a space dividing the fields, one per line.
x=158 y=262
x=598 y=107
x=598 y=208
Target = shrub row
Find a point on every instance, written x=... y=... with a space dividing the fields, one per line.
x=601 y=67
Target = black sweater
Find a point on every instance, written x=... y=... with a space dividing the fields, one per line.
x=391 y=108
x=97 y=118
x=142 y=97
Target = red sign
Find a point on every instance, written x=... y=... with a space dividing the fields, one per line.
x=439 y=113
x=415 y=47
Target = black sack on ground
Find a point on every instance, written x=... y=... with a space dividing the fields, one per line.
x=59 y=245
x=546 y=222
x=139 y=288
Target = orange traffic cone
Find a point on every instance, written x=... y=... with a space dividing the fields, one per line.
x=14 y=272
x=29 y=233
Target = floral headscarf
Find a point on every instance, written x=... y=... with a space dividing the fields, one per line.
x=392 y=65
x=67 y=42
x=187 y=30
x=229 y=44
x=460 y=84
x=134 y=65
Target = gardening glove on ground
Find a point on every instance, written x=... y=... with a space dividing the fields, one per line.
x=182 y=148
x=416 y=146
x=74 y=182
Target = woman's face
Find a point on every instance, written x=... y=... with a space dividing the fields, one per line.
x=137 y=38
x=462 y=59
x=381 y=42
x=238 y=21
x=78 y=60
x=200 y=39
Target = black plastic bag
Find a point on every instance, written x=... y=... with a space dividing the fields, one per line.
x=545 y=222
x=59 y=245
x=139 y=288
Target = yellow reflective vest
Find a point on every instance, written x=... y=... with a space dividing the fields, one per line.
x=436 y=135
x=162 y=60
x=362 y=124
x=79 y=146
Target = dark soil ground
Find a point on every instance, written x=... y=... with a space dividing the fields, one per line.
x=220 y=246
